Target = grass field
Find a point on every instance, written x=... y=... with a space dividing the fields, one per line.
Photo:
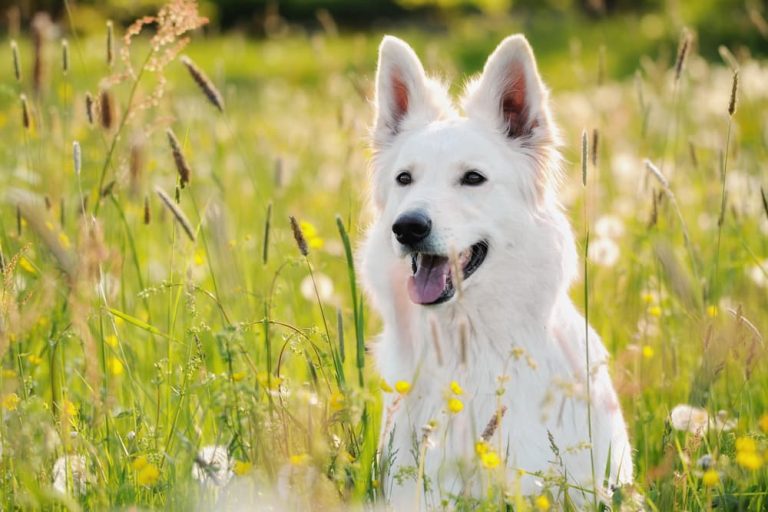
x=128 y=344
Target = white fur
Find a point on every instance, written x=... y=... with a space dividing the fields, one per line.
x=520 y=322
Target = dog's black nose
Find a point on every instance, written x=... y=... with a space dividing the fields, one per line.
x=412 y=227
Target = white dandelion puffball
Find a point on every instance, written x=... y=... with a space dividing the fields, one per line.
x=609 y=226
x=324 y=287
x=758 y=275
x=696 y=420
x=212 y=466
x=685 y=417
x=70 y=473
x=603 y=252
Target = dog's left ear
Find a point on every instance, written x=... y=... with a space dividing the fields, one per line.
x=511 y=95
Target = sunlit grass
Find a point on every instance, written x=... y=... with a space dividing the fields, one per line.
x=133 y=338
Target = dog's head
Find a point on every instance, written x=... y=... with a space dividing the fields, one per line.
x=467 y=193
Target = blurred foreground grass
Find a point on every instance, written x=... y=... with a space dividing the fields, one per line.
x=126 y=347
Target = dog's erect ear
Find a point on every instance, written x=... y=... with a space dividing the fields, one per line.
x=405 y=97
x=510 y=94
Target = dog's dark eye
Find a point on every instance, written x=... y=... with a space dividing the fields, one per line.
x=473 y=179
x=404 y=178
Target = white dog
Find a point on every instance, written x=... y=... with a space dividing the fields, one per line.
x=476 y=192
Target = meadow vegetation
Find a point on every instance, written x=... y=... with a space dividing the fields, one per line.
x=165 y=343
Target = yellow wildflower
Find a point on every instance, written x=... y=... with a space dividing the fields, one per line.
x=34 y=359
x=199 y=257
x=648 y=351
x=336 y=401
x=712 y=311
x=26 y=265
x=481 y=448
x=490 y=459
x=238 y=376
x=314 y=241
x=11 y=401
x=115 y=366
x=299 y=459
x=749 y=460
x=456 y=388
x=541 y=503
x=69 y=408
x=763 y=422
x=710 y=478
x=654 y=311
x=242 y=467
x=139 y=462
x=647 y=297
x=263 y=379
x=64 y=240
x=403 y=387
x=747 y=455
x=111 y=340
x=148 y=475
x=746 y=444
x=455 y=405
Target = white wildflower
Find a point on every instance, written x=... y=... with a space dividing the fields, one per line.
x=324 y=287
x=603 y=252
x=758 y=274
x=213 y=466
x=609 y=226
x=70 y=473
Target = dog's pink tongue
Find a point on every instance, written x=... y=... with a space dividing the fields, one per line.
x=426 y=286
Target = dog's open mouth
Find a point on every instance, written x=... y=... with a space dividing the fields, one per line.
x=432 y=283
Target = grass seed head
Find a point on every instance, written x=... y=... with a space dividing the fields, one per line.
x=205 y=84
x=147 y=211
x=182 y=167
x=682 y=53
x=16 y=60
x=64 y=56
x=177 y=213
x=734 y=94
x=298 y=235
x=77 y=157
x=89 y=107
x=110 y=43
x=26 y=120
x=106 y=108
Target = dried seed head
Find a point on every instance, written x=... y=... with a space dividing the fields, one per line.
x=657 y=174
x=584 y=157
x=77 y=157
x=106 y=109
x=177 y=213
x=205 y=84
x=728 y=57
x=734 y=94
x=298 y=235
x=89 y=107
x=493 y=424
x=16 y=60
x=595 y=143
x=25 y=118
x=47 y=201
x=147 y=214
x=64 y=56
x=182 y=167
x=682 y=53
x=110 y=44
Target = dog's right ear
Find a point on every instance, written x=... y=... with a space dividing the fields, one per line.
x=405 y=97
